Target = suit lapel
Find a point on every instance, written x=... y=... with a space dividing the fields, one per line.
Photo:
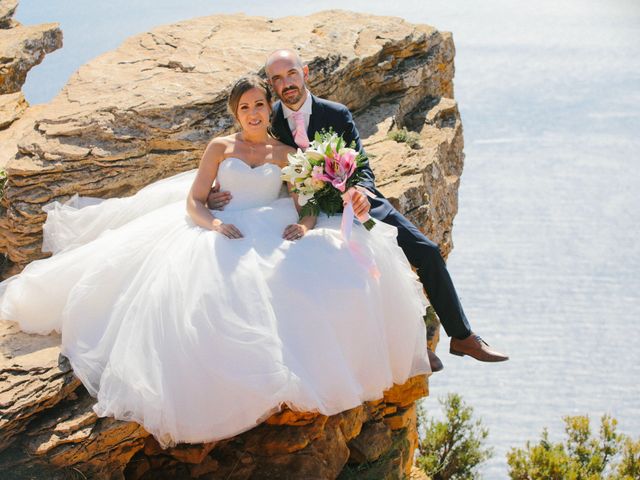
x=314 y=119
x=281 y=126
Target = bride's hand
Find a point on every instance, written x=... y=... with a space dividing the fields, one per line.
x=294 y=231
x=226 y=229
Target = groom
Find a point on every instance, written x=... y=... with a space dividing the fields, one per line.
x=296 y=118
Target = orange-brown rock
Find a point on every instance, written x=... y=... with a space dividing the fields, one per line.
x=30 y=384
x=284 y=439
x=402 y=419
x=291 y=417
x=99 y=138
x=12 y=106
x=60 y=433
x=10 y=136
x=373 y=441
x=405 y=394
x=147 y=110
x=7 y=9
x=21 y=48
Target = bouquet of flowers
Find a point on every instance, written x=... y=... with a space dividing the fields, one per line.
x=324 y=175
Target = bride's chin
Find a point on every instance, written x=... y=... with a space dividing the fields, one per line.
x=256 y=128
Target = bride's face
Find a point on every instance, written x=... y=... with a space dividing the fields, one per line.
x=253 y=110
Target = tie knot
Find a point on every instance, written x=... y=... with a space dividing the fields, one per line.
x=298 y=116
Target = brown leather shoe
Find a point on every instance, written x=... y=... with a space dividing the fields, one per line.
x=434 y=361
x=475 y=347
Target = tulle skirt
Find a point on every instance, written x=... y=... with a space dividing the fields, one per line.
x=199 y=337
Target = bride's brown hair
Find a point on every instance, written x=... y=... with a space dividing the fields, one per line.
x=244 y=85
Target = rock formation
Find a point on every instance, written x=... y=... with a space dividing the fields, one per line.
x=47 y=428
x=146 y=111
x=7 y=10
x=21 y=48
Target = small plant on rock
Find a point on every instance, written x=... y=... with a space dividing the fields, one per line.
x=3 y=180
x=405 y=136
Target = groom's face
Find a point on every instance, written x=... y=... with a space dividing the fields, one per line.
x=287 y=78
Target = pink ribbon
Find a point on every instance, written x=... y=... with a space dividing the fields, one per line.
x=346 y=226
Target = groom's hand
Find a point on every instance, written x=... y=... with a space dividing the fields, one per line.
x=216 y=200
x=361 y=205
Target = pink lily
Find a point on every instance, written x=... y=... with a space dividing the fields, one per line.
x=339 y=168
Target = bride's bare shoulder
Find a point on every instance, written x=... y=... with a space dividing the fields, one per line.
x=225 y=141
x=215 y=150
x=218 y=146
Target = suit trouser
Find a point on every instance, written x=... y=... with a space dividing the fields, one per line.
x=425 y=256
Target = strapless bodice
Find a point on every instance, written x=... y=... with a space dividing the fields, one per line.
x=250 y=187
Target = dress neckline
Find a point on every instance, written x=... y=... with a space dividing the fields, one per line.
x=248 y=165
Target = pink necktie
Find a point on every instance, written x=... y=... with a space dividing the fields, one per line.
x=300 y=135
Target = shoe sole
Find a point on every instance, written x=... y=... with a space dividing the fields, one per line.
x=462 y=354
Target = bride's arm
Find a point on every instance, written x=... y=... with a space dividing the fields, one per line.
x=295 y=230
x=196 y=206
x=310 y=220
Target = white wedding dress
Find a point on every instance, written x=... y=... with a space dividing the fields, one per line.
x=199 y=337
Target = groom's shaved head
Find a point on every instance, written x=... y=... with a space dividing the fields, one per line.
x=287 y=76
x=283 y=53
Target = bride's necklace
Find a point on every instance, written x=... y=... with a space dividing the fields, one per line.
x=253 y=146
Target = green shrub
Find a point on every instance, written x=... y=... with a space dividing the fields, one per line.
x=430 y=318
x=454 y=448
x=582 y=456
x=3 y=180
x=405 y=136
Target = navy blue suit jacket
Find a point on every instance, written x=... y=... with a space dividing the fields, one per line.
x=324 y=115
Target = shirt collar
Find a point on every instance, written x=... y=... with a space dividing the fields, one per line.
x=305 y=108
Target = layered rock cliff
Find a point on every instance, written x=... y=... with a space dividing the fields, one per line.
x=146 y=111
x=21 y=48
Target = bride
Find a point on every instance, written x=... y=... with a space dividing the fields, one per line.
x=198 y=326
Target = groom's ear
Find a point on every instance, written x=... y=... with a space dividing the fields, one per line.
x=305 y=72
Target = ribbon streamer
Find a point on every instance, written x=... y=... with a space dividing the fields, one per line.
x=354 y=247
